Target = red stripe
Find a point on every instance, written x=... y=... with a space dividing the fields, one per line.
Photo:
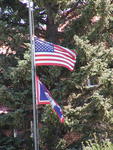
x=64 y=50
x=37 y=89
x=41 y=55
x=72 y=57
x=58 y=61
x=40 y=102
x=54 y=64
x=63 y=53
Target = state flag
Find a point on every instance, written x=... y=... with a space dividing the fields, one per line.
x=43 y=96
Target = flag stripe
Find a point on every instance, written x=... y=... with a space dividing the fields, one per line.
x=55 y=59
x=57 y=51
x=54 y=63
x=73 y=60
x=63 y=49
x=50 y=54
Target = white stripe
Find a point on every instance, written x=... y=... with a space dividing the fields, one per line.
x=56 y=58
x=44 y=101
x=55 y=62
x=58 y=52
x=65 y=53
x=65 y=49
x=54 y=54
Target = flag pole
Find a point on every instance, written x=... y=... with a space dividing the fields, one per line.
x=33 y=70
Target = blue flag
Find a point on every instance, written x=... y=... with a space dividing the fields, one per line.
x=56 y=108
x=43 y=96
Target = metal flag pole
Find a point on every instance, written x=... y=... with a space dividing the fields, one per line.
x=33 y=70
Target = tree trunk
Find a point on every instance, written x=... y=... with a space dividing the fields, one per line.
x=52 y=32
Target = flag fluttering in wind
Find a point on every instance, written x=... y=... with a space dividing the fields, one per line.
x=24 y=1
x=43 y=96
x=56 y=108
x=47 y=53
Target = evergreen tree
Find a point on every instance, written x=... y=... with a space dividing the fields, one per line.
x=90 y=108
x=85 y=94
x=15 y=75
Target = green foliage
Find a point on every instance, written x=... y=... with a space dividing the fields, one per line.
x=15 y=73
x=51 y=130
x=11 y=143
x=87 y=108
x=96 y=145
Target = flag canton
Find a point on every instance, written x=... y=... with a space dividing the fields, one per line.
x=42 y=46
x=43 y=96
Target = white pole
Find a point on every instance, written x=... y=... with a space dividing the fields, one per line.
x=33 y=70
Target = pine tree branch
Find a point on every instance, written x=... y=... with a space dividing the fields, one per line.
x=87 y=93
x=65 y=15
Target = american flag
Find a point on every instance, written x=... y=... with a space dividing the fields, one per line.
x=47 y=53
